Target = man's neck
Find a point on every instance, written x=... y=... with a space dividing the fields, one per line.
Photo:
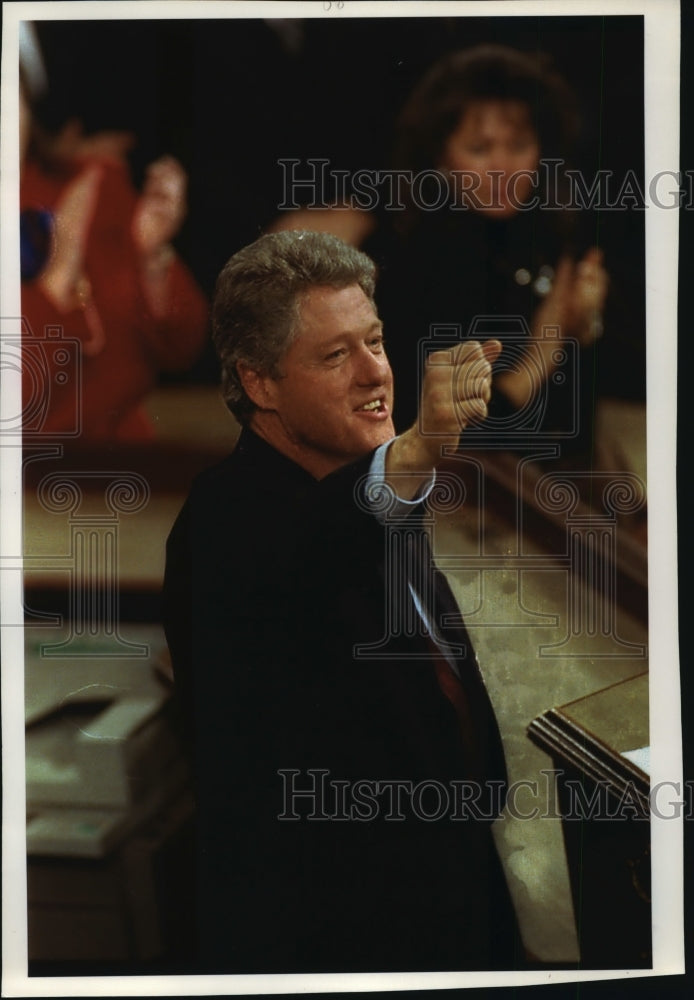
x=267 y=425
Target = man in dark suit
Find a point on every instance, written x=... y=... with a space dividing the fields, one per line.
x=347 y=760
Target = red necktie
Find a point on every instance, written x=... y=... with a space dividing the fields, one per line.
x=453 y=689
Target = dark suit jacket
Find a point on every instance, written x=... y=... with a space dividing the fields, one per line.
x=272 y=579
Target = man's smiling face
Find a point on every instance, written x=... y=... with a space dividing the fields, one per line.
x=333 y=400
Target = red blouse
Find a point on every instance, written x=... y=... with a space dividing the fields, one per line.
x=86 y=371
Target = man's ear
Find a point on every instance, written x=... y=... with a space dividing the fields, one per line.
x=260 y=389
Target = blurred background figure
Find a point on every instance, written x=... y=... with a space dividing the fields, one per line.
x=98 y=263
x=498 y=247
x=476 y=242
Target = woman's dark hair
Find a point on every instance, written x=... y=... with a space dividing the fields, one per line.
x=486 y=72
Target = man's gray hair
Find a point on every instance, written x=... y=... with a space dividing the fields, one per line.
x=255 y=313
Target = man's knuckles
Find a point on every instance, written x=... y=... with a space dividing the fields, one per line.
x=474 y=408
x=450 y=357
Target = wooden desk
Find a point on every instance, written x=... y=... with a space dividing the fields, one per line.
x=605 y=809
x=130 y=908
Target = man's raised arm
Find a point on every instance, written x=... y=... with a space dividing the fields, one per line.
x=455 y=391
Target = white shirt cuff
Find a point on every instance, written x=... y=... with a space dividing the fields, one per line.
x=376 y=484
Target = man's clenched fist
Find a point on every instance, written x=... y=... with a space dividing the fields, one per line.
x=456 y=388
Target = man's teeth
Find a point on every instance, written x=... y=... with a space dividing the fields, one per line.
x=375 y=404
